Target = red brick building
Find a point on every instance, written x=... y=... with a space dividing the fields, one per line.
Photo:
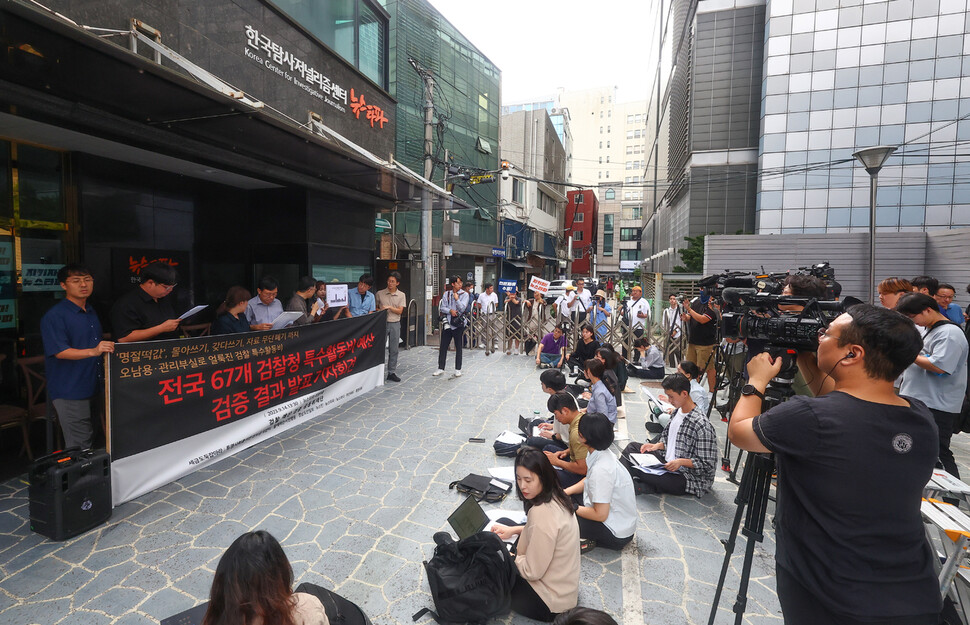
x=581 y=214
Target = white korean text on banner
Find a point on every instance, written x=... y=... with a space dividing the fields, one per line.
x=178 y=406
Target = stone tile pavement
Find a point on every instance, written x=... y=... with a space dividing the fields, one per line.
x=354 y=497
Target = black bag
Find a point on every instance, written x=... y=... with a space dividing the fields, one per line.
x=507 y=450
x=339 y=611
x=471 y=580
x=530 y=344
x=480 y=487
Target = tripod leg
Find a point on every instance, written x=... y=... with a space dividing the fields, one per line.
x=729 y=551
x=742 y=601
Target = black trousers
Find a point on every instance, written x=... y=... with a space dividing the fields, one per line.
x=944 y=422
x=668 y=483
x=596 y=530
x=800 y=607
x=526 y=602
x=449 y=334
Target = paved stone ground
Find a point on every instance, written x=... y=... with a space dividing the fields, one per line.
x=354 y=497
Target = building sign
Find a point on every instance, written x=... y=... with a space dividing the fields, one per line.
x=177 y=406
x=481 y=178
x=271 y=55
x=40 y=277
x=629 y=265
x=498 y=252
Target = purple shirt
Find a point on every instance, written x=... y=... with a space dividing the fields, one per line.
x=551 y=346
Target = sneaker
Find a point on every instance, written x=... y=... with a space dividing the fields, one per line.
x=458 y=373
x=393 y=377
x=438 y=372
x=586 y=545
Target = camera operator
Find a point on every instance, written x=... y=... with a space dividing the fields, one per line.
x=701 y=335
x=802 y=285
x=852 y=465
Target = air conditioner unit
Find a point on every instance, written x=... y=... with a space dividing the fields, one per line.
x=554 y=111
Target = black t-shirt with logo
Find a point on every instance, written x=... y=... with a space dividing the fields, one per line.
x=851 y=475
x=702 y=333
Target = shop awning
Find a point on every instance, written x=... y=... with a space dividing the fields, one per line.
x=543 y=256
x=521 y=264
x=60 y=74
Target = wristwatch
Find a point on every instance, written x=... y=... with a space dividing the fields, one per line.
x=749 y=389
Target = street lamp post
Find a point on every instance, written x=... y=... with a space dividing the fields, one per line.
x=873 y=159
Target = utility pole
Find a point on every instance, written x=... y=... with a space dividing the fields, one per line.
x=426 y=193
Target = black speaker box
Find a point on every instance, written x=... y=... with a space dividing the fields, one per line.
x=70 y=492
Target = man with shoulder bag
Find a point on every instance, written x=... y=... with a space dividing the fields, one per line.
x=454 y=305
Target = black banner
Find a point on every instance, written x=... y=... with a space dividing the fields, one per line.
x=164 y=391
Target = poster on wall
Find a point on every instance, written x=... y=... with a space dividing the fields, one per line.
x=39 y=277
x=8 y=279
x=178 y=406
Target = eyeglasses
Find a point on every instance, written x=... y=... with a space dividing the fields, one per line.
x=80 y=281
x=823 y=332
x=168 y=287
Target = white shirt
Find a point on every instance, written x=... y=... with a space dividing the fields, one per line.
x=672 y=322
x=700 y=395
x=489 y=302
x=670 y=445
x=608 y=482
x=639 y=306
x=562 y=304
x=585 y=300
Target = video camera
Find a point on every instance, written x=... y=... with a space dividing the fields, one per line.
x=785 y=321
x=771 y=283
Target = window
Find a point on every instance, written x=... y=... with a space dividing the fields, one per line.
x=601 y=130
x=607 y=235
x=579 y=198
x=600 y=175
x=578 y=235
x=607 y=130
x=629 y=234
x=627 y=195
x=629 y=149
x=610 y=195
x=636 y=134
x=578 y=252
x=629 y=119
x=517 y=190
x=601 y=160
x=609 y=113
x=607 y=158
x=601 y=145
x=629 y=254
x=629 y=164
x=353 y=30
x=607 y=145
x=629 y=134
x=578 y=218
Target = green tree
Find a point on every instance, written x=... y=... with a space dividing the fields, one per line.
x=692 y=255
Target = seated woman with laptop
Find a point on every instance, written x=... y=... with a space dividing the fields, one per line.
x=547 y=553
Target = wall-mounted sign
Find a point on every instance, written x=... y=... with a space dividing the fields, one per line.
x=8 y=313
x=8 y=281
x=629 y=265
x=277 y=59
x=498 y=252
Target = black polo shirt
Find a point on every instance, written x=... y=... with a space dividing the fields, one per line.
x=137 y=310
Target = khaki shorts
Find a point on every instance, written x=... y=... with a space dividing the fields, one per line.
x=699 y=354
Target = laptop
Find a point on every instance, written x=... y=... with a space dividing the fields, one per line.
x=526 y=427
x=192 y=616
x=469 y=519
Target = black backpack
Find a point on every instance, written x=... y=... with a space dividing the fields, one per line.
x=471 y=580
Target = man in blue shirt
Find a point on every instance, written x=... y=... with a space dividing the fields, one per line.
x=71 y=333
x=361 y=301
x=263 y=309
x=944 y=297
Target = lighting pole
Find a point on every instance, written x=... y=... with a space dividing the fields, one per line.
x=873 y=159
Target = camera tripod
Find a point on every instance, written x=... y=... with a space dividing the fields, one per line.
x=753 y=495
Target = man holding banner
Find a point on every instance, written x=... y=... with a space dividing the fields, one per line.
x=72 y=349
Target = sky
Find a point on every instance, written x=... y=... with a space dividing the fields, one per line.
x=541 y=45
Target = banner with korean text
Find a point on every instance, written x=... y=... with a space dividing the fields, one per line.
x=178 y=406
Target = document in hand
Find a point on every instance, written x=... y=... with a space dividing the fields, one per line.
x=194 y=311
x=646 y=460
x=336 y=294
x=506 y=474
x=285 y=319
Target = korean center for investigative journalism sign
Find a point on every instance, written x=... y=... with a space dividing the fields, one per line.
x=177 y=406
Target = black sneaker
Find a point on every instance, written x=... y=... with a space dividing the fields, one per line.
x=586 y=545
x=393 y=377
